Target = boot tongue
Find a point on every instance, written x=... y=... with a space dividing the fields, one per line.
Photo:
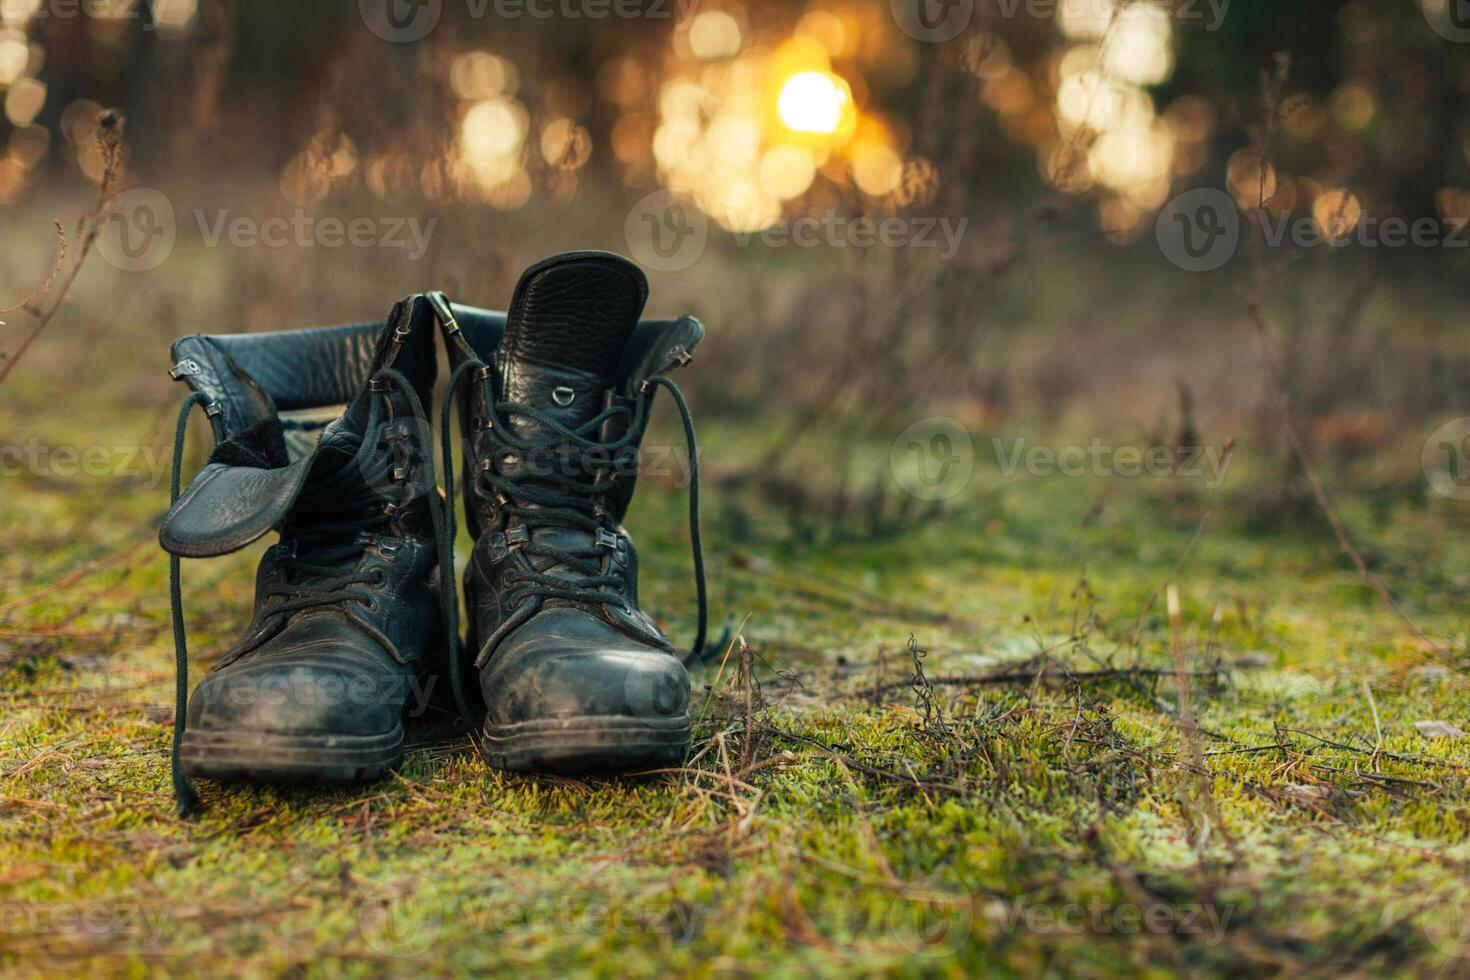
x=569 y=321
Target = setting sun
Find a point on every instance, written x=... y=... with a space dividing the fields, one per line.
x=813 y=102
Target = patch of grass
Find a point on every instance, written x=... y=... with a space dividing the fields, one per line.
x=1032 y=804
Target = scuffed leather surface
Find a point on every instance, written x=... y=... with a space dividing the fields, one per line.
x=227 y=507
x=249 y=378
x=572 y=323
x=566 y=663
x=403 y=622
x=319 y=676
x=344 y=666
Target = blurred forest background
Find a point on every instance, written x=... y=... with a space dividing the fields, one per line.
x=1047 y=137
x=1243 y=694
x=1050 y=134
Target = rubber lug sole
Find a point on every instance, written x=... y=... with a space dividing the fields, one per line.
x=590 y=744
x=274 y=758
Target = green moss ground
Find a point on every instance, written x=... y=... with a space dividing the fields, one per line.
x=1039 y=819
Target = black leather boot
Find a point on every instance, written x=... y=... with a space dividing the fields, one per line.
x=321 y=435
x=573 y=674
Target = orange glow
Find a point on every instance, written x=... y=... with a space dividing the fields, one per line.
x=813 y=102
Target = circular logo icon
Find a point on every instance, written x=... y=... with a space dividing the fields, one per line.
x=1446 y=459
x=138 y=230
x=932 y=21
x=1450 y=19
x=665 y=232
x=656 y=695
x=400 y=21
x=933 y=458
x=1447 y=927
x=1199 y=230
x=401 y=918
x=929 y=922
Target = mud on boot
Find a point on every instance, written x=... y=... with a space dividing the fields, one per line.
x=322 y=436
x=572 y=673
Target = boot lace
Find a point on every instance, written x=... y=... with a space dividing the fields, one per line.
x=564 y=497
x=324 y=577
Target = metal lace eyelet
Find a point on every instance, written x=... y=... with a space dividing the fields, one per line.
x=563 y=395
x=378 y=577
x=370 y=604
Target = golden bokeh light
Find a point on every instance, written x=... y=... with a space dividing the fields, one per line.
x=29 y=146
x=1302 y=116
x=1250 y=184
x=493 y=128
x=15 y=57
x=786 y=171
x=1088 y=19
x=1353 y=106
x=714 y=34
x=17 y=13
x=1138 y=47
x=1337 y=212
x=480 y=75
x=876 y=169
x=565 y=145
x=24 y=101
x=813 y=102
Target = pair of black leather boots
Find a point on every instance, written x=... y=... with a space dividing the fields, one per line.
x=324 y=436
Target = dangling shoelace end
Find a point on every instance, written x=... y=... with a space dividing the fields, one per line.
x=184 y=796
x=714 y=650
